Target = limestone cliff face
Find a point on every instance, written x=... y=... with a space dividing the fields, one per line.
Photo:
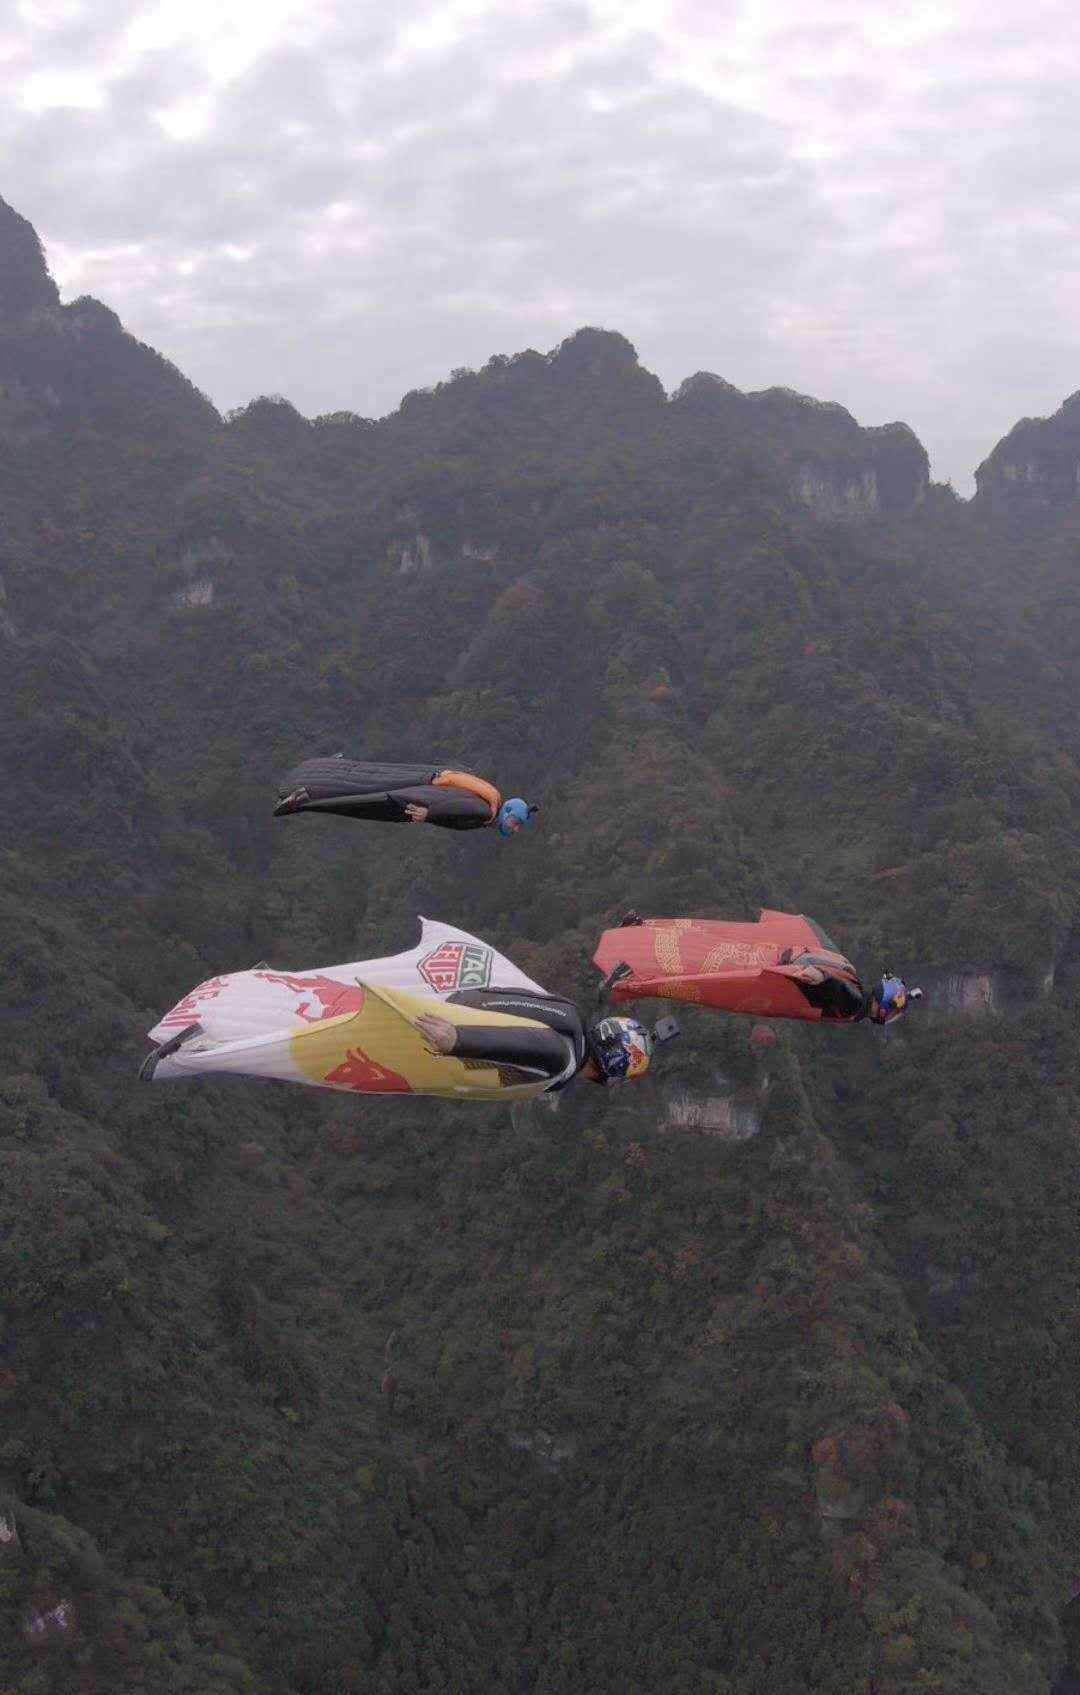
x=969 y=991
x=834 y=466
x=836 y=491
x=1033 y=474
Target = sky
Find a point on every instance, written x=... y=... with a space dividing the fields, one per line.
x=340 y=201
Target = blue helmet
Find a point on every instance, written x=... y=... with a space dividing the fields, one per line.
x=621 y=1048
x=892 y=996
x=513 y=815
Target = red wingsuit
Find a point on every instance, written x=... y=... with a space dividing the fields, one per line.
x=771 y=969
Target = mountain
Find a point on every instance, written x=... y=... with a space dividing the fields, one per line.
x=758 y=1377
x=1033 y=474
x=834 y=467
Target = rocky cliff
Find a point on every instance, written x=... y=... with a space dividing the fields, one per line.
x=1033 y=474
x=834 y=466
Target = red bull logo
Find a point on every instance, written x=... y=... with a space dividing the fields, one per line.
x=360 y=1072
x=325 y=997
x=639 y=1046
x=456 y=965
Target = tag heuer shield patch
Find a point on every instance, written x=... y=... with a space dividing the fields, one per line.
x=457 y=965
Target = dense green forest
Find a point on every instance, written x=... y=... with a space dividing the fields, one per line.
x=758 y=1379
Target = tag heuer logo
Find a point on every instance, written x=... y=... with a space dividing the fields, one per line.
x=457 y=965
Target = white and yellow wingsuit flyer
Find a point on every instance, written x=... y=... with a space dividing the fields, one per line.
x=349 y=1027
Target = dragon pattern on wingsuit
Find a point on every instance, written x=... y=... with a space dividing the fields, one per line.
x=783 y=966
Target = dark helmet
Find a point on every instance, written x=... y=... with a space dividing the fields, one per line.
x=621 y=1048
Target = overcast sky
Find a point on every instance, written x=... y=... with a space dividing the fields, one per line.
x=339 y=201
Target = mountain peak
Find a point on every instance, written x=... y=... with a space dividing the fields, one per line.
x=1033 y=474
x=589 y=349
x=25 y=283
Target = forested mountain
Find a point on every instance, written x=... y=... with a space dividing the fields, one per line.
x=758 y=1378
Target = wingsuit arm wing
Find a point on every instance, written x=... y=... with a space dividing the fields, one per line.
x=535 y=1049
x=836 y=998
x=525 y=1068
x=376 y=804
x=455 y=809
x=450 y=807
x=799 y=973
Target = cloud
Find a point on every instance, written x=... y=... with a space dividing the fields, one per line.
x=344 y=202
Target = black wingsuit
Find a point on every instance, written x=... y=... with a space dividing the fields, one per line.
x=362 y=789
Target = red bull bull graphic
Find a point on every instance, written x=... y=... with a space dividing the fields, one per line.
x=639 y=1044
x=359 y=1071
x=328 y=998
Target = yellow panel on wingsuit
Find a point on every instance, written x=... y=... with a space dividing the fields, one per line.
x=378 y=1050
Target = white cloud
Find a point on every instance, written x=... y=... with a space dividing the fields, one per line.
x=342 y=202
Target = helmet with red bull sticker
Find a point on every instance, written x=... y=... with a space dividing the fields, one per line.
x=889 y=999
x=620 y=1048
